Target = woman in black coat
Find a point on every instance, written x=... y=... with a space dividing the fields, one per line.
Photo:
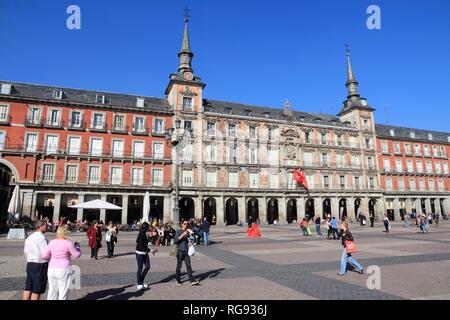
x=346 y=235
x=142 y=258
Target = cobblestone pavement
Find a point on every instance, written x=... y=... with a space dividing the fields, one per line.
x=282 y=265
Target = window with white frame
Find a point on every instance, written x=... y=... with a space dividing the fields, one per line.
x=355 y=162
x=117 y=148
x=34 y=115
x=397 y=148
x=138 y=149
x=74 y=146
x=232 y=130
x=31 y=142
x=323 y=139
x=419 y=165
x=339 y=140
x=342 y=183
x=435 y=151
x=417 y=150
x=372 y=183
x=384 y=147
x=326 y=182
x=94 y=175
x=5 y=88
x=116 y=175
x=253 y=155
x=399 y=165
x=308 y=158
x=233 y=179
x=388 y=184
x=187 y=104
x=273 y=181
x=253 y=180
x=324 y=160
x=98 y=121
x=291 y=183
x=157 y=177
x=159 y=126
x=188 y=125
x=2 y=140
x=412 y=184
x=412 y=135
x=140 y=102
x=188 y=178
x=431 y=185
x=51 y=144
x=139 y=124
x=307 y=137
x=54 y=117
x=211 y=179
x=96 y=148
x=444 y=152
x=71 y=173
x=270 y=134
x=272 y=157
x=188 y=152
x=401 y=184
x=438 y=167
x=441 y=185
x=430 y=136
x=252 y=132
x=422 y=185
x=231 y=154
x=409 y=165
x=370 y=163
x=48 y=172
x=340 y=160
x=119 y=122
x=76 y=119
x=429 y=167
x=211 y=128
x=407 y=148
x=353 y=142
x=4 y=113
x=445 y=167
x=210 y=151
x=137 y=176
x=357 y=184
x=158 y=150
x=426 y=150
x=310 y=181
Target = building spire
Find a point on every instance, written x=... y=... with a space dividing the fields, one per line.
x=352 y=83
x=185 y=55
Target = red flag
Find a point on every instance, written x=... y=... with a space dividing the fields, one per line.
x=300 y=178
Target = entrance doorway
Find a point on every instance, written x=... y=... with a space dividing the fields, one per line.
x=209 y=209
x=232 y=214
x=291 y=211
x=253 y=210
x=272 y=211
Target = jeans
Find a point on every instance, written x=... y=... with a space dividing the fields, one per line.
x=318 y=230
x=142 y=259
x=348 y=258
x=58 y=283
x=205 y=238
x=110 y=247
x=386 y=225
x=184 y=256
x=335 y=234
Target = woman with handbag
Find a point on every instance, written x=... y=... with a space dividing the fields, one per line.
x=182 y=239
x=349 y=248
x=111 y=238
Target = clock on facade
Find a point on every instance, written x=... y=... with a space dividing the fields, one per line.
x=364 y=102
x=188 y=76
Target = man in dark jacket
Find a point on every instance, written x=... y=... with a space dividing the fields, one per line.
x=205 y=228
x=182 y=240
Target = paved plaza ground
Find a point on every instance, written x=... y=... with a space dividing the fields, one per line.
x=282 y=265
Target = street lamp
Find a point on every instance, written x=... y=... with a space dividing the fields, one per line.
x=176 y=141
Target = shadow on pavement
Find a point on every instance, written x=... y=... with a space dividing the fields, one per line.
x=98 y=295
x=200 y=277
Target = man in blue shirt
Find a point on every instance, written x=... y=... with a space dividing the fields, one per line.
x=335 y=229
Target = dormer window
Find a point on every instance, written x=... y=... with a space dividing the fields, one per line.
x=140 y=102
x=57 y=95
x=6 y=88
x=228 y=110
x=392 y=133
x=267 y=115
x=448 y=139
x=248 y=112
x=100 y=99
x=412 y=135
x=430 y=136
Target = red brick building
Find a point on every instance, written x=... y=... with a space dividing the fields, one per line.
x=414 y=170
x=64 y=146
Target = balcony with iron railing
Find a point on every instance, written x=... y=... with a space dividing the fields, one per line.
x=119 y=128
x=140 y=131
x=53 y=123
x=76 y=126
x=34 y=122
x=98 y=127
x=84 y=180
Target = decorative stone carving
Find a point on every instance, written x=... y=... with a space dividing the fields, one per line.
x=291 y=152
x=289 y=132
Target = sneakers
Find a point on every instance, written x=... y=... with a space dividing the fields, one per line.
x=361 y=271
x=179 y=283
x=140 y=287
x=146 y=286
x=195 y=282
x=341 y=274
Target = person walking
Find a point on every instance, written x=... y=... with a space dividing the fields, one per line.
x=334 y=227
x=372 y=219
x=60 y=251
x=111 y=238
x=37 y=266
x=181 y=239
x=347 y=242
x=318 y=222
x=142 y=257
x=205 y=228
x=94 y=235
x=386 y=223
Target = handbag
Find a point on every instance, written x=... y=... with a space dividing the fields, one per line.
x=191 y=250
x=350 y=246
x=174 y=251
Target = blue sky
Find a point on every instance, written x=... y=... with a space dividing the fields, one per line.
x=255 y=52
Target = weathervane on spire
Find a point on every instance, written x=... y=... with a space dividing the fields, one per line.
x=347 y=48
x=186 y=14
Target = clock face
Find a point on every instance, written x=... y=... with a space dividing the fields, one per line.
x=188 y=76
x=364 y=102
